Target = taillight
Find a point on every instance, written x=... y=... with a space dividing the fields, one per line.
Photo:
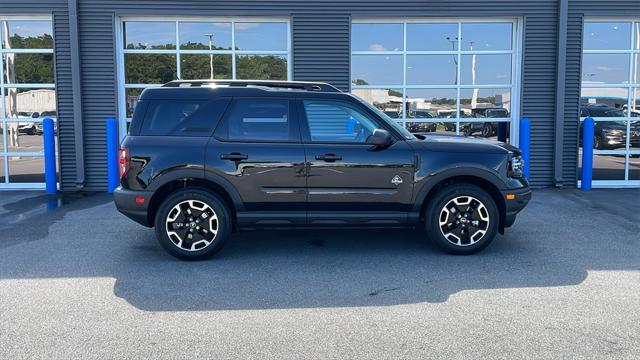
x=123 y=161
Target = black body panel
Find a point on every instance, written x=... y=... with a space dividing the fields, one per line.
x=299 y=182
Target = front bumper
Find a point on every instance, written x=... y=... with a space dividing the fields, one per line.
x=133 y=204
x=521 y=197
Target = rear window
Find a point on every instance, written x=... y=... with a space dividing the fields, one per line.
x=257 y=120
x=182 y=117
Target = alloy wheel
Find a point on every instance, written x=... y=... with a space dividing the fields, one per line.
x=192 y=225
x=464 y=220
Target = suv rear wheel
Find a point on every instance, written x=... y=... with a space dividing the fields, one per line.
x=192 y=224
x=462 y=219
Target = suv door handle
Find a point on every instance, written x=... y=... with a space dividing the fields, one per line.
x=328 y=157
x=234 y=156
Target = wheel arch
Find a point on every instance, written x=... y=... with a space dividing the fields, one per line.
x=226 y=192
x=481 y=178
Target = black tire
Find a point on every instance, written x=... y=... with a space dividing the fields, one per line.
x=487 y=130
x=598 y=142
x=444 y=197
x=199 y=196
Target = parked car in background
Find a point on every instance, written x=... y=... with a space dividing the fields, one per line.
x=29 y=128
x=486 y=129
x=609 y=135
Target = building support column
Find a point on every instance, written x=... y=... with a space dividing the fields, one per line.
x=77 y=92
x=561 y=65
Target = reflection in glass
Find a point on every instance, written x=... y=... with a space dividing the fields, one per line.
x=205 y=36
x=612 y=97
x=608 y=135
x=634 y=166
x=132 y=100
x=387 y=100
x=26 y=169
x=376 y=37
x=2 y=171
x=261 y=67
x=431 y=103
x=376 y=69
x=486 y=69
x=606 y=36
x=205 y=66
x=28 y=68
x=605 y=166
x=27 y=138
x=261 y=36
x=431 y=127
x=439 y=37
x=493 y=130
x=26 y=34
x=431 y=69
x=149 y=35
x=486 y=36
x=635 y=78
x=149 y=68
x=494 y=103
x=29 y=103
x=634 y=135
x=605 y=68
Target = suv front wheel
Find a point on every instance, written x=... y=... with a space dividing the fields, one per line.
x=192 y=224
x=462 y=219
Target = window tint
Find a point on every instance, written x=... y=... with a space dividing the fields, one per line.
x=182 y=118
x=331 y=121
x=258 y=120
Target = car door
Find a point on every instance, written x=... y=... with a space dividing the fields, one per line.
x=350 y=181
x=257 y=149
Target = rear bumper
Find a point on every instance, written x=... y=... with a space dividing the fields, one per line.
x=513 y=207
x=135 y=210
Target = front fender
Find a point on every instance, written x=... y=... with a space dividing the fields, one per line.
x=424 y=183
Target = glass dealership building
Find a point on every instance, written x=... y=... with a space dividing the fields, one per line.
x=466 y=67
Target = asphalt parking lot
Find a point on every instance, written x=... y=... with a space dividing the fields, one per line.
x=78 y=280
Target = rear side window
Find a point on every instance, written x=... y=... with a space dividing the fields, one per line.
x=182 y=117
x=257 y=120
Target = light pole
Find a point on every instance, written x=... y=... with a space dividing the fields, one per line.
x=210 y=36
x=474 y=96
x=453 y=42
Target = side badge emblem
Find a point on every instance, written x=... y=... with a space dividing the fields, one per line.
x=397 y=180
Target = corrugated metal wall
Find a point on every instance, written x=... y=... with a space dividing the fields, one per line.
x=321 y=52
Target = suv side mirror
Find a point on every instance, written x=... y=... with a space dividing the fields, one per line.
x=380 y=138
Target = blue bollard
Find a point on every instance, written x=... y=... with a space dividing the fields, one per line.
x=587 y=153
x=502 y=131
x=50 y=178
x=525 y=143
x=113 y=177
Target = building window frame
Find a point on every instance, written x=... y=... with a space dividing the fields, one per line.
x=516 y=65
x=630 y=86
x=5 y=154
x=122 y=86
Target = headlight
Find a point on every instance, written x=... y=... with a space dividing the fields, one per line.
x=516 y=167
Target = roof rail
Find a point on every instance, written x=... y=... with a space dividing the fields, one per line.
x=296 y=85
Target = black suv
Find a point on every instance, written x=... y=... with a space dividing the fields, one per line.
x=205 y=158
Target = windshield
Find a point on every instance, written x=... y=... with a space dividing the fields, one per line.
x=394 y=124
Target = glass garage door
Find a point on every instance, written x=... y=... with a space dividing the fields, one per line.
x=155 y=51
x=610 y=94
x=27 y=95
x=451 y=77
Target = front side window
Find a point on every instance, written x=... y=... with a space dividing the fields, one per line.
x=438 y=75
x=262 y=120
x=154 y=52
x=332 y=121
